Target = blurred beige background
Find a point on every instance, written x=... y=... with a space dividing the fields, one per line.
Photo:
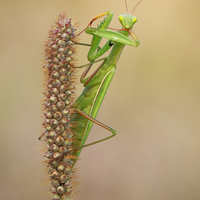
x=153 y=102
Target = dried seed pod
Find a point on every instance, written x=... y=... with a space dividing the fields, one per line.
x=52 y=134
x=67 y=170
x=61 y=167
x=60 y=129
x=56 y=197
x=62 y=150
x=59 y=80
x=54 y=174
x=60 y=190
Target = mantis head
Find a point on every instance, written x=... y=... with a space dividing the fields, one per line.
x=127 y=21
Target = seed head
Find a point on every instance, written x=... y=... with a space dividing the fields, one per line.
x=59 y=80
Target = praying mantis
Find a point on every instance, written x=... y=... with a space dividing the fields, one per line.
x=96 y=85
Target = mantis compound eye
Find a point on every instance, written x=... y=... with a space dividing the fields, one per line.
x=134 y=19
x=121 y=18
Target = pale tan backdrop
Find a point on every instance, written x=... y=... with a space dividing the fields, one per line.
x=153 y=102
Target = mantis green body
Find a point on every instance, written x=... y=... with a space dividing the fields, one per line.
x=89 y=102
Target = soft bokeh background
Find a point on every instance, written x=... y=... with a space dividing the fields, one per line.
x=153 y=102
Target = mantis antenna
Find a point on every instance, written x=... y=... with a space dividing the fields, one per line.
x=126 y=6
x=136 y=6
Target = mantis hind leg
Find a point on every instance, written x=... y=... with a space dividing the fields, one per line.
x=114 y=132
